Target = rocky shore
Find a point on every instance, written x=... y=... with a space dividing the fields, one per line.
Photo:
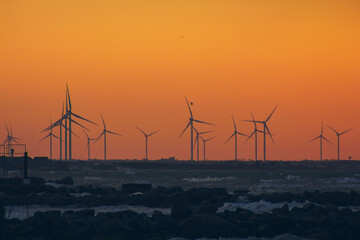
x=194 y=213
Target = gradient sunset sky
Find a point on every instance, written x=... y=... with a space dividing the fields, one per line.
x=134 y=61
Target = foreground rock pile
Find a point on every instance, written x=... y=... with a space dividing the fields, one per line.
x=193 y=213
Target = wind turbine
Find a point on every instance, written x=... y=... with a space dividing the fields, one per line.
x=254 y=133
x=104 y=133
x=191 y=124
x=338 y=140
x=266 y=129
x=88 y=143
x=9 y=139
x=197 y=140
x=68 y=117
x=205 y=141
x=51 y=135
x=235 y=135
x=321 y=137
x=146 y=140
x=59 y=123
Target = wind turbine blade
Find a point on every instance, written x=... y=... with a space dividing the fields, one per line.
x=16 y=141
x=184 y=129
x=252 y=121
x=85 y=133
x=7 y=129
x=100 y=136
x=196 y=139
x=252 y=116
x=83 y=118
x=141 y=131
x=72 y=120
x=333 y=129
x=205 y=132
x=230 y=137
x=271 y=113
x=102 y=118
x=153 y=133
x=249 y=136
x=56 y=137
x=44 y=138
x=322 y=127
x=62 y=111
x=234 y=122
x=203 y=122
x=16 y=138
x=242 y=134
x=210 y=139
x=326 y=139
x=314 y=139
x=267 y=129
x=346 y=131
x=113 y=133
x=68 y=95
x=187 y=102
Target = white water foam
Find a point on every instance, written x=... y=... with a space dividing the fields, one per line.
x=21 y=212
x=259 y=207
x=208 y=179
x=280 y=237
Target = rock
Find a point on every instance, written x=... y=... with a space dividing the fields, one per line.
x=206 y=225
x=65 y=181
x=179 y=212
x=308 y=207
x=113 y=229
x=179 y=198
x=207 y=208
x=197 y=195
x=37 y=180
x=136 y=187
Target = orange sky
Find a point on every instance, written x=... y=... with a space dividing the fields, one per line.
x=134 y=61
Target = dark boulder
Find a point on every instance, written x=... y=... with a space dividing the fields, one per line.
x=206 y=225
x=207 y=208
x=179 y=212
x=65 y=181
x=135 y=187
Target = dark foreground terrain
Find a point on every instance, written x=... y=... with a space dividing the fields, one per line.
x=196 y=212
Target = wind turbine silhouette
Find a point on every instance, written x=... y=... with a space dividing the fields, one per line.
x=59 y=123
x=338 y=140
x=51 y=135
x=88 y=144
x=197 y=140
x=68 y=118
x=321 y=137
x=9 y=139
x=254 y=133
x=104 y=133
x=205 y=141
x=266 y=129
x=235 y=135
x=146 y=141
x=191 y=124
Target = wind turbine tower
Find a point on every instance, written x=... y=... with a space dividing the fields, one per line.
x=235 y=135
x=104 y=132
x=338 y=140
x=321 y=137
x=266 y=129
x=205 y=141
x=146 y=141
x=191 y=124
